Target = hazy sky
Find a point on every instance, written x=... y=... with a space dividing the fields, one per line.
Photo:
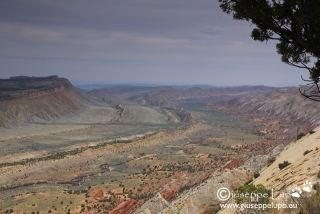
x=136 y=41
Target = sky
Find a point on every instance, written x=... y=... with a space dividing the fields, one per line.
x=181 y=42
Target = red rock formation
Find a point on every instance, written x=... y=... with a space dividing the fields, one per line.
x=168 y=194
x=233 y=164
x=124 y=207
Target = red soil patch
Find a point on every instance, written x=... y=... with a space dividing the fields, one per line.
x=117 y=191
x=99 y=193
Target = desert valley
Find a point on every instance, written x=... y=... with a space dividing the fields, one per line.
x=136 y=149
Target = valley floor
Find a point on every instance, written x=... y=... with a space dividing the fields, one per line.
x=100 y=164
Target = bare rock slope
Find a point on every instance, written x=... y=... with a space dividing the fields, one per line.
x=303 y=165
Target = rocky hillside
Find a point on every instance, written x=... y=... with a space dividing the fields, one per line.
x=286 y=103
x=284 y=110
x=202 y=199
x=37 y=99
x=303 y=156
x=296 y=180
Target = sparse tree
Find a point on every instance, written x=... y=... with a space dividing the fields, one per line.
x=295 y=24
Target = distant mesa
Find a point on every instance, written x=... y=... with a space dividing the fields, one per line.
x=27 y=99
x=14 y=87
x=33 y=77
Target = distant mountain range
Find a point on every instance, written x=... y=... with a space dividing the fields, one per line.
x=27 y=99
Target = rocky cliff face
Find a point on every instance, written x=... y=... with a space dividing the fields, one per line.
x=37 y=99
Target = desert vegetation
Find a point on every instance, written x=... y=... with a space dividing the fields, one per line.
x=284 y=164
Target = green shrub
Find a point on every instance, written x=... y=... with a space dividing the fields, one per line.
x=307 y=151
x=300 y=135
x=248 y=182
x=250 y=188
x=318 y=174
x=284 y=164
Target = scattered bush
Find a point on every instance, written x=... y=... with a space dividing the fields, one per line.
x=271 y=160
x=311 y=132
x=307 y=151
x=318 y=174
x=256 y=174
x=217 y=210
x=300 y=135
x=284 y=164
x=248 y=182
